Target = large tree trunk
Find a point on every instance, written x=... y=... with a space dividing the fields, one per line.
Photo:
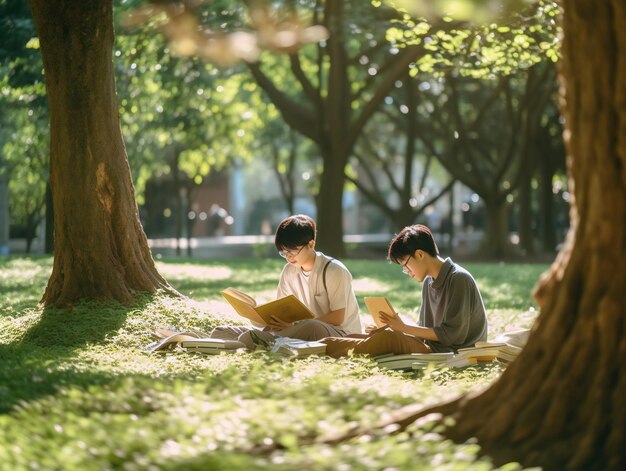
x=495 y=243
x=560 y=405
x=101 y=251
x=546 y=204
x=49 y=229
x=335 y=152
x=4 y=210
x=330 y=206
x=525 y=219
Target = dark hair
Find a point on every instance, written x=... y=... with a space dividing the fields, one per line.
x=294 y=231
x=410 y=239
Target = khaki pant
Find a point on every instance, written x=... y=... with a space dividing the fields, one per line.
x=379 y=343
x=310 y=329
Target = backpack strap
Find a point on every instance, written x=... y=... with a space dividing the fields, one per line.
x=324 y=273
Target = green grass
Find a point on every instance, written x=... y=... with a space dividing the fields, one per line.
x=78 y=393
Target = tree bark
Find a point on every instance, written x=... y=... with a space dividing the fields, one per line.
x=49 y=230
x=546 y=204
x=101 y=251
x=495 y=243
x=560 y=404
x=525 y=218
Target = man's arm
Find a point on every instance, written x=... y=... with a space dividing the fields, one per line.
x=396 y=324
x=335 y=317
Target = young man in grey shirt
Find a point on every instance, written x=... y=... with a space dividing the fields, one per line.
x=452 y=314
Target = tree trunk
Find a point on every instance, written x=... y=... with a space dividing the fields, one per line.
x=495 y=243
x=49 y=230
x=101 y=251
x=4 y=210
x=335 y=152
x=330 y=207
x=560 y=405
x=525 y=219
x=546 y=204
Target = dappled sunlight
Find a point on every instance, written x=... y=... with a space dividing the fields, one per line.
x=507 y=320
x=239 y=401
x=220 y=308
x=12 y=329
x=21 y=270
x=368 y=285
x=173 y=270
x=265 y=296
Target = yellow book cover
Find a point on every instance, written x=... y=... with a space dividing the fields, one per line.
x=377 y=304
x=288 y=309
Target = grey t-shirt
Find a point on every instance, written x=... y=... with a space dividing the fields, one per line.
x=453 y=307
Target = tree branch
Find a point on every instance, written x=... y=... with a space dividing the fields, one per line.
x=296 y=116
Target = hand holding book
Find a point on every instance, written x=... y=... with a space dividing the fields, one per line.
x=278 y=324
x=392 y=321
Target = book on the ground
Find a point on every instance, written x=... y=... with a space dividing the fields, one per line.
x=288 y=309
x=408 y=361
x=488 y=351
x=211 y=346
x=162 y=332
x=171 y=340
x=516 y=338
x=376 y=305
x=297 y=348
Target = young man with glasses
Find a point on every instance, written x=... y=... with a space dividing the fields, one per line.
x=322 y=283
x=452 y=314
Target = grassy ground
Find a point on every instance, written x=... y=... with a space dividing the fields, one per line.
x=78 y=393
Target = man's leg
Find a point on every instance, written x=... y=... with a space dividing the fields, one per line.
x=311 y=329
x=380 y=343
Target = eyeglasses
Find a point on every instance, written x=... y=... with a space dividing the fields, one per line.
x=405 y=269
x=290 y=253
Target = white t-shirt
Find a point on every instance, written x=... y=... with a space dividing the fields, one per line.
x=310 y=290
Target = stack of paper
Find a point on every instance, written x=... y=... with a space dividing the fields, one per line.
x=298 y=348
x=410 y=361
x=211 y=346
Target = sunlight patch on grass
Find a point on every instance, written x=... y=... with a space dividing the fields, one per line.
x=369 y=285
x=220 y=308
x=506 y=320
x=177 y=271
x=12 y=329
x=23 y=269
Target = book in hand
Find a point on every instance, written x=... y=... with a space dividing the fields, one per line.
x=211 y=346
x=298 y=348
x=377 y=304
x=288 y=309
x=412 y=361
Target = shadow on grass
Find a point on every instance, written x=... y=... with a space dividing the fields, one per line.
x=42 y=360
x=83 y=324
x=28 y=373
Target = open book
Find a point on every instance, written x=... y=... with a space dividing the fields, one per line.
x=168 y=339
x=288 y=309
x=377 y=304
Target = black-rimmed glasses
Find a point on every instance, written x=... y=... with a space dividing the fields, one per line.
x=405 y=269
x=290 y=253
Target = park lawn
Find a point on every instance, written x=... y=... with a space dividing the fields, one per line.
x=78 y=393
